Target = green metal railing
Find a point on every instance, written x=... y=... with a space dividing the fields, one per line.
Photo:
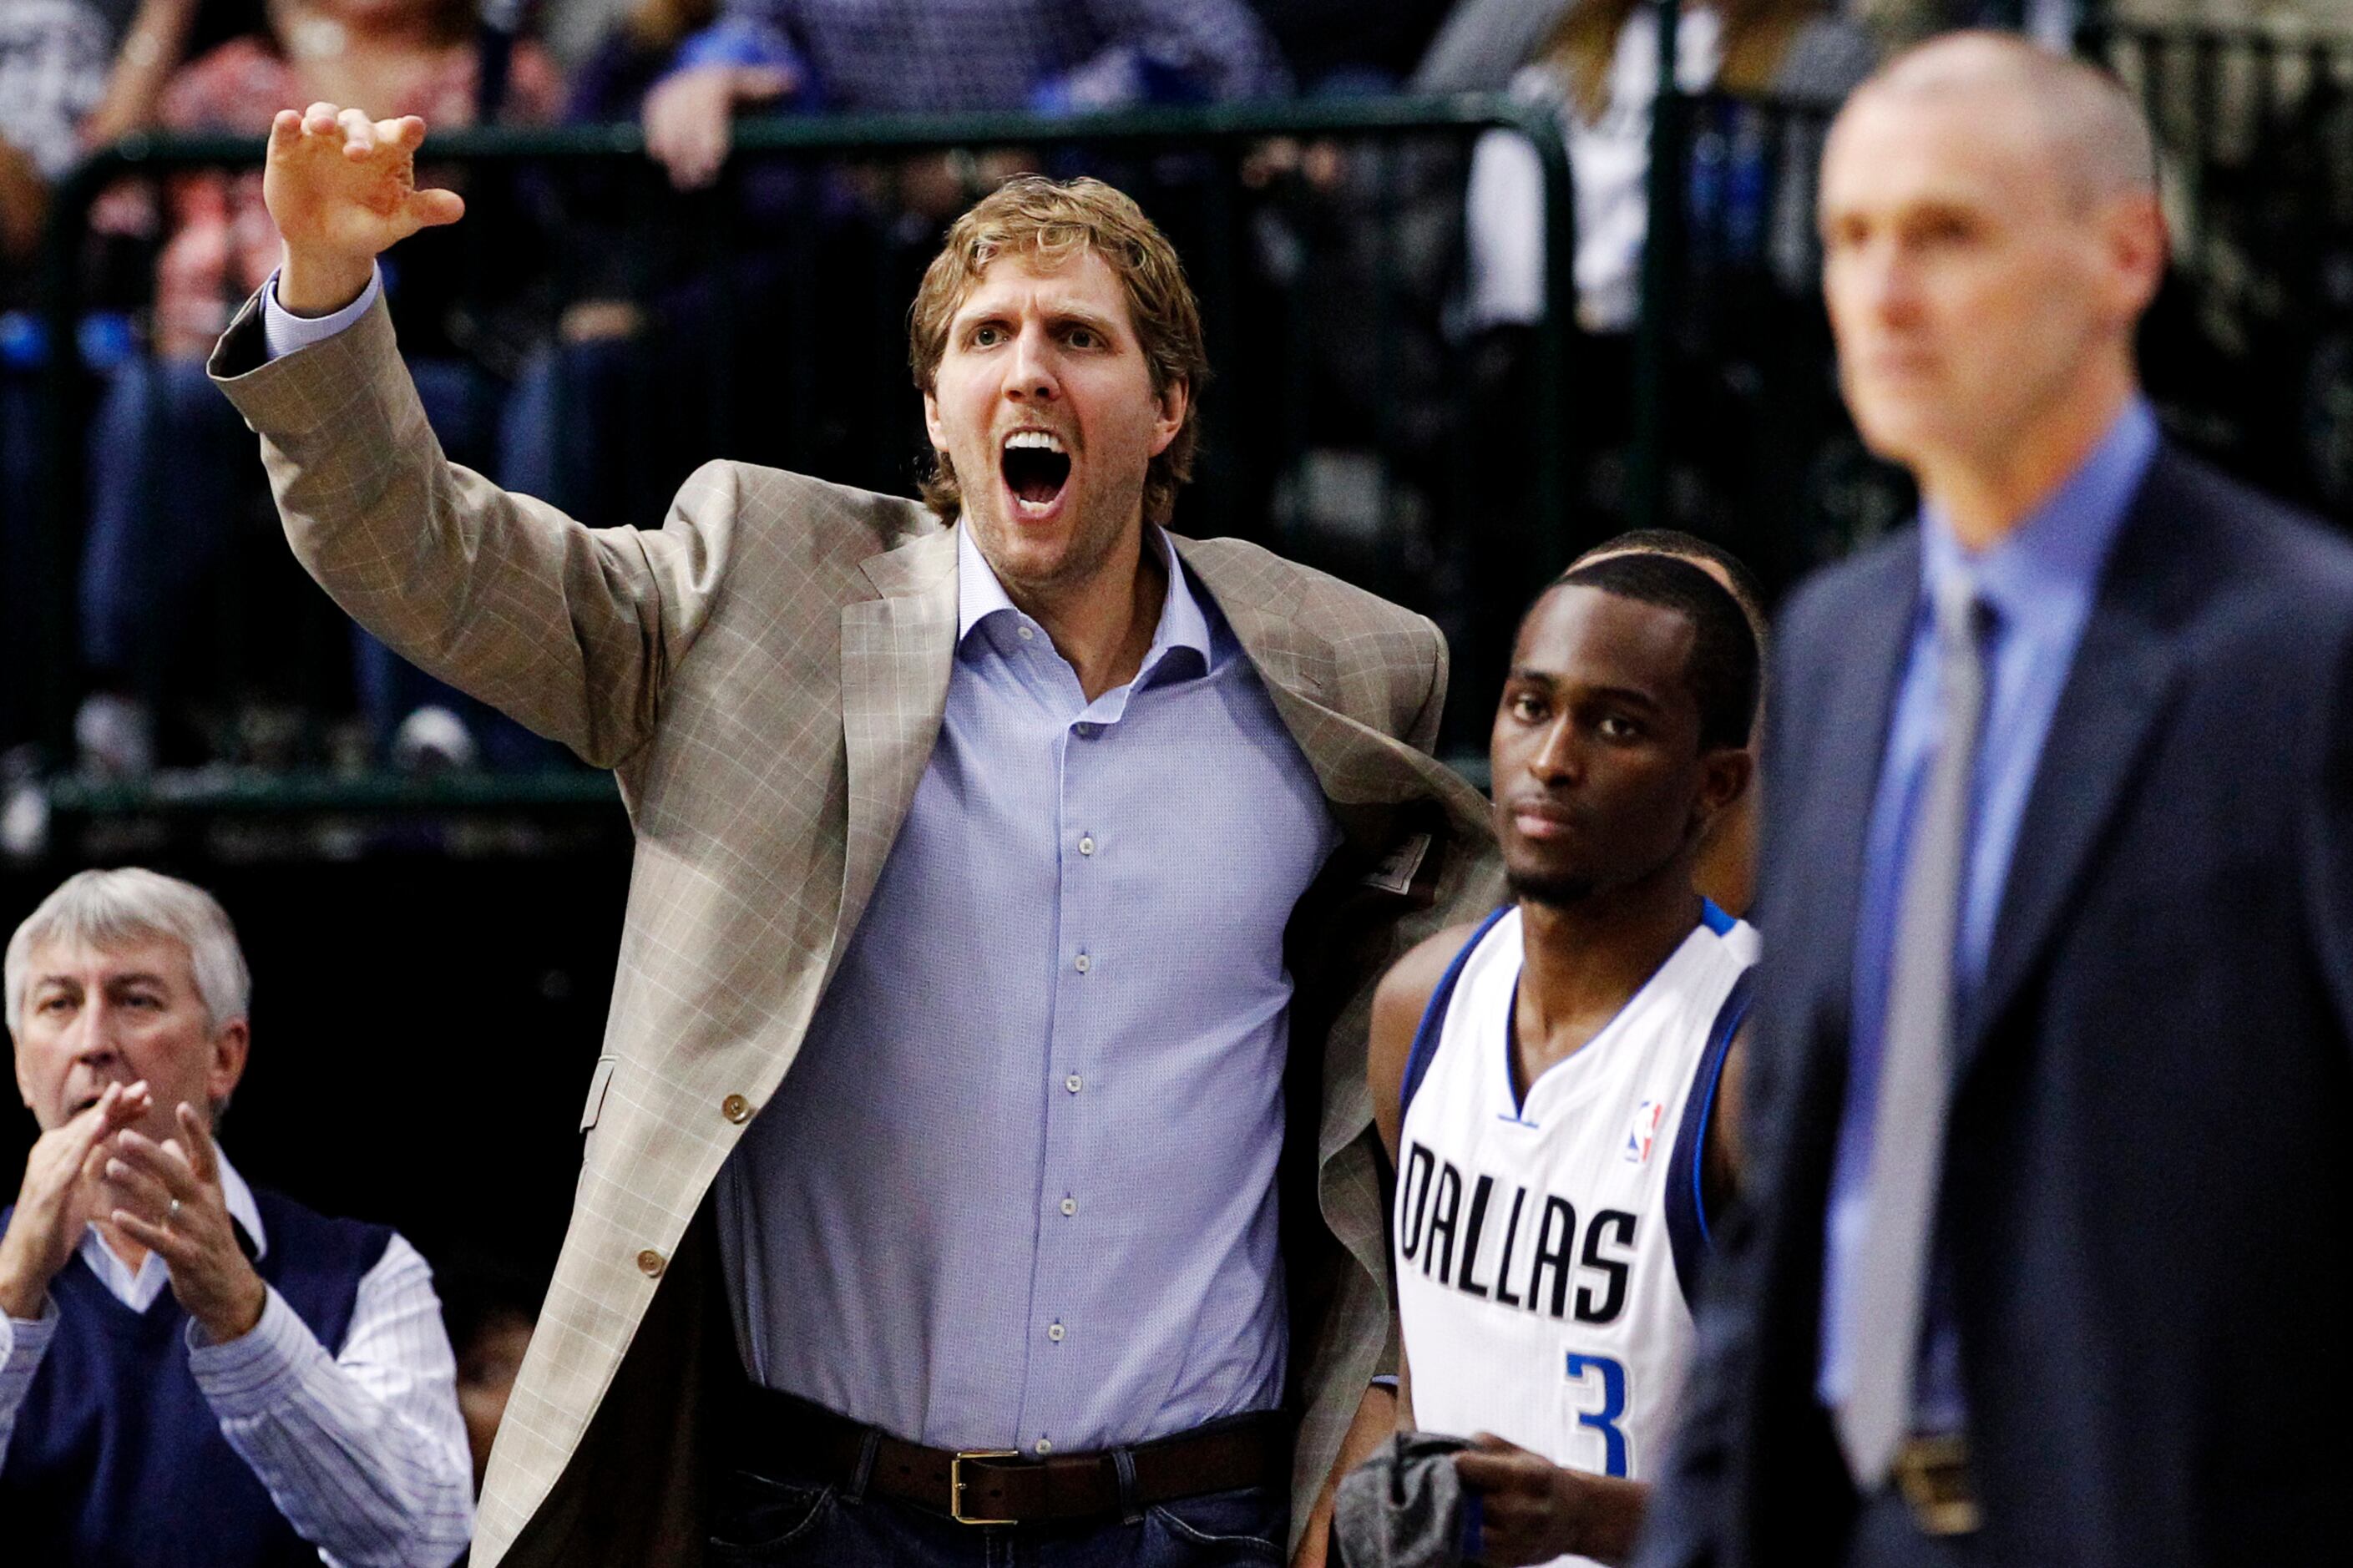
x=1215 y=139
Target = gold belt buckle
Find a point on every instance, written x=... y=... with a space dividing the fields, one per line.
x=1932 y=1473
x=956 y=1483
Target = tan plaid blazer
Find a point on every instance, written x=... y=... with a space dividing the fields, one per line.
x=766 y=674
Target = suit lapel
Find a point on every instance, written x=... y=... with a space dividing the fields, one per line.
x=1841 y=754
x=1354 y=763
x=2124 y=675
x=896 y=653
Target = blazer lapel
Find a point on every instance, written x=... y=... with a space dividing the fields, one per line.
x=1355 y=763
x=2124 y=674
x=896 y=653
x=1842 y=751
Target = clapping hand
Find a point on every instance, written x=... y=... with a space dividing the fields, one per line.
x=170 y=1201
x=60 y=1195
x=342 y=188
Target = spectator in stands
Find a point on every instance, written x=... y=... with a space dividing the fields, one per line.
x=1055 y=56
x=192 y=1369
x=52 y=73
x=1599 y=59
x=162 y=37
x=151 y=542
x=627 y=401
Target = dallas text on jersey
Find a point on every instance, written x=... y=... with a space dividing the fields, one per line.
x=1433 y=1221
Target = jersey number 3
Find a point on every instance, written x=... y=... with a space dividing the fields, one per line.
x=1617 y=1460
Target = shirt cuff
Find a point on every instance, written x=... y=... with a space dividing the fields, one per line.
x=23 y=1341
x=284 y=331
x=250 y=1375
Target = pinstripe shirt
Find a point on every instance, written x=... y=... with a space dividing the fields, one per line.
x=364 y=1452
x=1018 y=1189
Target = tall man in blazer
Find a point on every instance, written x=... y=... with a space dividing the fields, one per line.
x=1005 y=824
x=2053 y=1069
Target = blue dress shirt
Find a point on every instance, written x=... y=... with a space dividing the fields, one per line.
x=2039 y=583
x=1018 y=1189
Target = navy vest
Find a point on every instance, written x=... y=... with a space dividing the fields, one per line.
x=118 y=1461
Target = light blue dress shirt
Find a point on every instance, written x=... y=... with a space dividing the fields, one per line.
x=2039 y=583
x=1018 y=1189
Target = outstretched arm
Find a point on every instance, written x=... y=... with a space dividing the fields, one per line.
x=572 y=631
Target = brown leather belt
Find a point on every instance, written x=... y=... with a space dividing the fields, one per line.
x=1932 y=1473
x=1007 y=1487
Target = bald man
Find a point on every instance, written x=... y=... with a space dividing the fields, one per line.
x=2047 y=1254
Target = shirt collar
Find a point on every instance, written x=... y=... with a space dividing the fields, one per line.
x=1183 y=625
x=238 y=1198
x=2050 y=562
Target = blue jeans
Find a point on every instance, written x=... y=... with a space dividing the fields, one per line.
x=171 y=469
x=799 y=1522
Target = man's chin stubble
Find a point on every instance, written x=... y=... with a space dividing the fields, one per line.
x=1553 y=892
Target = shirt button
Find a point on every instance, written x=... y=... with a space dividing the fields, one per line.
x=1045 y=1445
x=1054 y=1333
x=1082 y=963
x=651 y=1263
x=1026 y=634
x=736 y=1108
x=1086 y=730
x=1074 y=1083
x=1086 y=845
x=1070 y=1205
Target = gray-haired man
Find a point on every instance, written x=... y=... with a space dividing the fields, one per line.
x=292 y=1397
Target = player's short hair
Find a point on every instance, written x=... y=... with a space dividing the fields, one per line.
x=1052 y=223
x=108 y=909
x=1722 y=671
x=1674 y=542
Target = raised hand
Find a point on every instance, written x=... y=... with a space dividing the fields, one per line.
x=59 y=1196
x=342 y=188
x=689 y=116
x=172 y=1205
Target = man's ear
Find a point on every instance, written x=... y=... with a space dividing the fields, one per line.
x=231 y=1045
x=1726 y=775
x=24 y=1089
x=932 y=421
x=2138 y=246
x=1174 y=399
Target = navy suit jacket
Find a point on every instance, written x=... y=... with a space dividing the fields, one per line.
x=2147 y=1189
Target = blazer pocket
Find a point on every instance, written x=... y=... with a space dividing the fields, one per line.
x=599 y=1083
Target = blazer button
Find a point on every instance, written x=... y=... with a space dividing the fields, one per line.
x=651 y=1263
x=736 y=1108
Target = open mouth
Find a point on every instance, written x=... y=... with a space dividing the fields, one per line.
x=1036 y=468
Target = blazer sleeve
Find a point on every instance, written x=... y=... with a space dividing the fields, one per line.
x=570 y=630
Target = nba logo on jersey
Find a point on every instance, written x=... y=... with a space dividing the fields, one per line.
x=1644 y=1131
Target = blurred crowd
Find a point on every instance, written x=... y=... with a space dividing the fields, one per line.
x=577 y=363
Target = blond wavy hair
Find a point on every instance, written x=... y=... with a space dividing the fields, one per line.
x=1051 y=223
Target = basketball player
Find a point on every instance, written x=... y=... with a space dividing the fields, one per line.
x=1546 y=1081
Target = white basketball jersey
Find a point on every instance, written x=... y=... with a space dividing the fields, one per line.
x=1538 y=1283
